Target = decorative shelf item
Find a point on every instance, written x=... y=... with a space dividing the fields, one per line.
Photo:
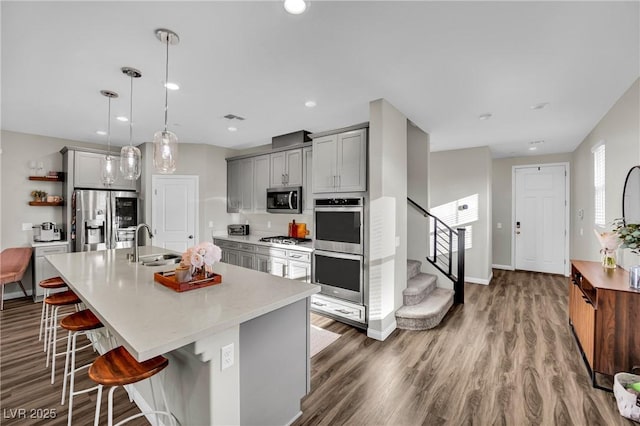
x=44 y=203
x=168 y=279
x=58 y=177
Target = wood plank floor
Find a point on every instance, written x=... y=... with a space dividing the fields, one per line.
x=506 y=357
x=25 y=383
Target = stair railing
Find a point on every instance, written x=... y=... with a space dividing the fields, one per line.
x=442 y=253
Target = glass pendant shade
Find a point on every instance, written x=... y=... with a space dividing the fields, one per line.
x=108 y=170
x=165 y=151
x=130 y=162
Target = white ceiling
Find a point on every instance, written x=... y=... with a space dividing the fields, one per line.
x=441 y=63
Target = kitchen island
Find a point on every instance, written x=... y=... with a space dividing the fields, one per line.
x=263 y=320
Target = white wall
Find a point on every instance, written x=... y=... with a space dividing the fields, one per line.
x=418 y=155
x=18 y=149
x=620 y=129
x=457 y=174
x=387 y=216
x=502 y=202
x=207 y=162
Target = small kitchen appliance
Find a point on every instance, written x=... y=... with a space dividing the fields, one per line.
x=47 y=231
x=284 y=200
x=238 y=229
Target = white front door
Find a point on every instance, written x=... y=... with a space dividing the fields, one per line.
x=174 y=211
x=540 y=218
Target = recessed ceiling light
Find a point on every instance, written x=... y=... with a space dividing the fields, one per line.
x=172 y=86
x=295 y=7
x=310 y=104
x=101 y=132
x=122 y=118
x=485 y=116
x=232 y=129
x=540 y=105
x=533 y=148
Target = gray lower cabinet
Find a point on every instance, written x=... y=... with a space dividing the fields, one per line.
x=286 y=263
x=42 y=269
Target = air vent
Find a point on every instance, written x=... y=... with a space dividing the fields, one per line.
x=233 y=117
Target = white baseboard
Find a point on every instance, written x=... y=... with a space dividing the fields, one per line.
x=484 y=281
x=296 y=417
x=504 y=267
x=381 y=335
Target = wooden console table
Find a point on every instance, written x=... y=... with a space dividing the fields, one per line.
x=604 y=314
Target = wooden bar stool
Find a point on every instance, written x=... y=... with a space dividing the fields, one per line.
x=78 y=324
x=57 y=300
x=118 y=368
x=48 y=285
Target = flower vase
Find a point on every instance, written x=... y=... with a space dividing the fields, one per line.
x=609 y=260
x=183 y=274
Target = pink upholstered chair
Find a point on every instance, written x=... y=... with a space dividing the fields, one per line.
x=13 y=263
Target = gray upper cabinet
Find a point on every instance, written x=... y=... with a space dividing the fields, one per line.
x=87 y=172
x=307 y=198
x=234 y=196
x=286 y=168
x=239 y=185
x=260 y=182
x=340 y=162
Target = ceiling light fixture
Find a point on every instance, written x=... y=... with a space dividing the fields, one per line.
x=108 y=165
x=130 y=156
x=172 y=86
x=310 y=104
x=295 y=7
x=101 y=132
x=165 y=143
x=533 y=148
x=485 y=116
x=232 y=129
x=122 y=118
x=540 y=105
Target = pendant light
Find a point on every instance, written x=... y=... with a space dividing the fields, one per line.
x=130 y=157
x=295 y=7
x=108 y=164
x=165 y=143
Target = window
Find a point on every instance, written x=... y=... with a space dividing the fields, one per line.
x=598 y=183
x=455 y=214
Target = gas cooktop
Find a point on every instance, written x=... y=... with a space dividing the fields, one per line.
x=281 y=239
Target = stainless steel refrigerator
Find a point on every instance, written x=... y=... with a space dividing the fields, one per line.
x=103 y=220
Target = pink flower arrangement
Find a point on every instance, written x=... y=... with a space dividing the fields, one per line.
x=201 y=258
x=609 y=241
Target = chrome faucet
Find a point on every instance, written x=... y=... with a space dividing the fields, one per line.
x=133 y=257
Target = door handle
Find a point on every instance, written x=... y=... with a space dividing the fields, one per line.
x=191 y=237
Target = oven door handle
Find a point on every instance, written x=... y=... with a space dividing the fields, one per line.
x=339 y=255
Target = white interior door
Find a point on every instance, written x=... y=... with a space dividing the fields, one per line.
x=174 y=211
x=540 y=218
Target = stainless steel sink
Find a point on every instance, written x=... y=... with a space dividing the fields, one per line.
x=160 y=259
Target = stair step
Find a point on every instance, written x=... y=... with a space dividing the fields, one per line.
x=413 y=268
x=426 y=314
x=418 y=288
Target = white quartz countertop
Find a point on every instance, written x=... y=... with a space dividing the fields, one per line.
x=255 y=239
x=150 y=319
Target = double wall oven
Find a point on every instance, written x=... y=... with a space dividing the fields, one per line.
x=338 y=265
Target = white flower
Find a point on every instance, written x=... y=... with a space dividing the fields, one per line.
x=204 y=255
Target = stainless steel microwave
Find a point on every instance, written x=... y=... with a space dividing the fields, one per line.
x=284 y=200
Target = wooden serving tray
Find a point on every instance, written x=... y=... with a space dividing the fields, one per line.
x=168 y=279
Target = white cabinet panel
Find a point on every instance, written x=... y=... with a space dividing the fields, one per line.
x=233 y=186
x=42 y=269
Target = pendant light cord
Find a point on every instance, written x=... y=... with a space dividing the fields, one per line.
x=166 y=89
x=131 y=113
x=109 y=130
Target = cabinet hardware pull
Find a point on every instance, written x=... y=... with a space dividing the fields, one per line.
x=344 y=311
x=319 y=304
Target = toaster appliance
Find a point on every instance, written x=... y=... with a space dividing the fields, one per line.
x=238 y=229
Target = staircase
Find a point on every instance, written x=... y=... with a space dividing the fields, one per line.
x=424 y=304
